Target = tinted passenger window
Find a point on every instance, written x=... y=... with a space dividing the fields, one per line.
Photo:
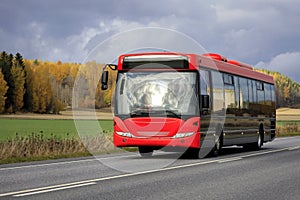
x=204 y=82
x=254 y=91
x=268 y=97
x=218 y=94
x=229 y=93
x=229 y=96
x=250 y=87
x=244 y=99
x=237 y=92
x=260 y=92
x=273 y=95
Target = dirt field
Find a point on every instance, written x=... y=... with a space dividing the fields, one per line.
x=283 y=114
x=64 y=115
x=288 y=114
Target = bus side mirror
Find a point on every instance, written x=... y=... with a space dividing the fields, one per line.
x=104 y=80
x=205 y=101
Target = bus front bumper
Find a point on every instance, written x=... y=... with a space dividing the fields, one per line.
x=192 y=141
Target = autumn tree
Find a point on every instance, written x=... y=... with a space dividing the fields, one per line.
x=6 y=65
x=18 y=78
x=42 y=92
x=3 y=90
x=287 y=90
x=20 y=62
x=29 y=84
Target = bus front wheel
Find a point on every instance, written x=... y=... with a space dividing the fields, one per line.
x=217 y=148
x=146 y=151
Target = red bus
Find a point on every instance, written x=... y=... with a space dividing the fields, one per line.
x=169 y=100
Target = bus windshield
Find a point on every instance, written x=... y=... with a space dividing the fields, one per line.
x=151 y=94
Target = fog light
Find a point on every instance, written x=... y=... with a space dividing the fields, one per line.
x=181 y=135
x=124 y=134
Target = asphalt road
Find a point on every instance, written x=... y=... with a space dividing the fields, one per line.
x=271 y=173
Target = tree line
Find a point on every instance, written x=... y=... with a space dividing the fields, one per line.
x=287 y=90
x=47 y=87
x=24 y=88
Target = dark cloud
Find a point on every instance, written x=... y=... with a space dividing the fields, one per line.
x=286 y=63
x=250 y=31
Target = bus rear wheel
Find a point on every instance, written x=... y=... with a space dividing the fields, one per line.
x=146 y=151
x=257 y=145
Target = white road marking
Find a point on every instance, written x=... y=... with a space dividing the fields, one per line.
x=102 y=179
x=47 y=164
x=229 y=159
x=54 y=189
x=92 y=181
x=62 y=163
x=294 y=148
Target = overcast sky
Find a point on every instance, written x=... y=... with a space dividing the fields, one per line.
x=265 y=34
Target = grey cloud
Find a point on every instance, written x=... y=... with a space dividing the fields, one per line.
x=286 y=63
x=250 y=31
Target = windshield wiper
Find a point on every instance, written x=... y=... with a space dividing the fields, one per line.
x=139 y=112
x=174 y=113
x=147 y=112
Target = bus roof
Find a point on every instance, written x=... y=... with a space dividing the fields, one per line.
x=208 y=60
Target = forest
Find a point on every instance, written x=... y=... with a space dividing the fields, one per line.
x=287 y=90
x=47 y=87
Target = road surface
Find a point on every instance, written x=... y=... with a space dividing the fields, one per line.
x=271 y=173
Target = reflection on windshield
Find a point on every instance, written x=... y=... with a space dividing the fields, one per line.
x=163 y=93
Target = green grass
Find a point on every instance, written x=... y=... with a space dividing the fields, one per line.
x=287 y=128
x=284 y=122
x=67 y=129
x=38 y=139
x=49 y=128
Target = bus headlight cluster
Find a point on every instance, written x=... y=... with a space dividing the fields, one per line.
x=124 y=134
x=181 y=135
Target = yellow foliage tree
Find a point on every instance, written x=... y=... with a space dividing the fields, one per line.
x=42 y=91
x=3 y=90
x=18 y=78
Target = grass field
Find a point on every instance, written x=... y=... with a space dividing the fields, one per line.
x=288 y=114
x=288 y=122
x=284 y=122
x=56 y=136
x=63 y=126
x=39 y=139
x=49 y=128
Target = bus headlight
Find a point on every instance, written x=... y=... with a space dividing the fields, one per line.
x=124 y=134
x=181 y=135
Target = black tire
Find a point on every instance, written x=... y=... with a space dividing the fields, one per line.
x=257 y=145
x=146 y=151
x=191 y=153
x=217 y=148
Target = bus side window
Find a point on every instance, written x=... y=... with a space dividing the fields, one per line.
x=229 y=93
x=205 y=91
x=204 y=82
x=260 y=97
x=244 y=95
x=218 y=92
x=273 y=96
x=237 y=93
x=268 y=99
